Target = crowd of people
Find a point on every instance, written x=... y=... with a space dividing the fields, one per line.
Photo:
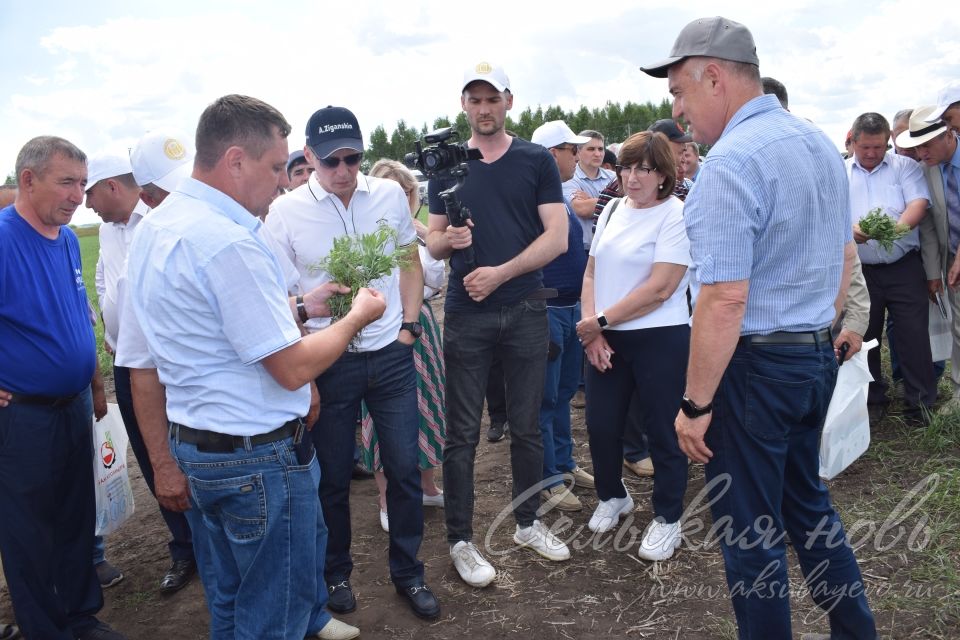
x=702 y=307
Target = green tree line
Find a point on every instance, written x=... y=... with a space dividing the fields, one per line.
x=614 y=121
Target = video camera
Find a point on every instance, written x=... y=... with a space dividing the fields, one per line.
x=442 y=159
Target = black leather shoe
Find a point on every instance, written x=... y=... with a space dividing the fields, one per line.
x=422 y=601
x=341 y=597
x=177 y=576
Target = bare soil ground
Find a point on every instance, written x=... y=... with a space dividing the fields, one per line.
x=604 y=590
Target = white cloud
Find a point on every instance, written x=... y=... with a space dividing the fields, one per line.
x=107 y=81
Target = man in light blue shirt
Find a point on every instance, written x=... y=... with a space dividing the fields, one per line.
x=895 y=279
x=773 y=253
x=211 y=301
x=589 y=178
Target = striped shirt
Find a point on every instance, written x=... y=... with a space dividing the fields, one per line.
x=771 y=206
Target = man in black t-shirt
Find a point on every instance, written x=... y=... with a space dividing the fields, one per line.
x=497 y=310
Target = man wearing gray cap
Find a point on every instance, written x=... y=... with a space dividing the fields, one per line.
x=298 y=169
x=762 y=459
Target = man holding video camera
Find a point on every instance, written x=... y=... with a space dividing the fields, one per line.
x=497 y=309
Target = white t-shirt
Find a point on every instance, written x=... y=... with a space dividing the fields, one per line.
x=305 y=222
x=624 y=255
x=115 y=241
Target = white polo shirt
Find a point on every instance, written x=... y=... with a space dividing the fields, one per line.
x=625 y=250
x=305 y=222
x=115 y=238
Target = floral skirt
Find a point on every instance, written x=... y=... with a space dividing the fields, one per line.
x=431 y=380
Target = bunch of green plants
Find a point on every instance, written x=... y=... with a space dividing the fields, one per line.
x=880 y=227
x=358 y=260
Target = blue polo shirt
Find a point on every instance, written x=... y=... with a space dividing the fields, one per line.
x=47 y=346
x=771 y=206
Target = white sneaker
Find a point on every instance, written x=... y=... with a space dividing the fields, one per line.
x=609 y=512
x=540 y=539
x=384 y=521
x=337 y=630
x=471 y=566
x=660 y=540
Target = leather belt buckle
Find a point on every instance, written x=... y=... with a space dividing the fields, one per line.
x=213 y=442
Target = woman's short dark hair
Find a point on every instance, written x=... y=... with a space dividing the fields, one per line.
x=654 y=149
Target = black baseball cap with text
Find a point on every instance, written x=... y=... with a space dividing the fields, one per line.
x=331 y=129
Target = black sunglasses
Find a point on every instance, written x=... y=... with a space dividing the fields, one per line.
x=351 y=161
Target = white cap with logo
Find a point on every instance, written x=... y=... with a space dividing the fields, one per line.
x=161 y=158
x=487 y=72
x=106 y=165
x=554 y=133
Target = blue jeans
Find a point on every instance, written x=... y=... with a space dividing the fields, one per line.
x=387 y=382
x=257 y=524
x=765 y=436
x=560 y=383
x=517 y=335
x=48 y=515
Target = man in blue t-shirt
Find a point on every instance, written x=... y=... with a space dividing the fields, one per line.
x=47 y=361
x=497 y=310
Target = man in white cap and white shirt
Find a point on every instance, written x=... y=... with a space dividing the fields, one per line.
x=565 y=354
x=496 y=309
x=938 y=151
x=112 y=191
x=948 y=106
x=160 y=160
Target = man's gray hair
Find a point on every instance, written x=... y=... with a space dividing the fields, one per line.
x=743 y=70
x=902 y=116
x=38 y=152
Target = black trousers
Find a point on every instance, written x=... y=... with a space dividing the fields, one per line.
x=900 y=289
x=181 y=544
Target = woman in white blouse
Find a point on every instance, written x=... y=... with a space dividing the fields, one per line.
x=636 y=334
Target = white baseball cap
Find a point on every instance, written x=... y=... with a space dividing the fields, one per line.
x=161 y=158
x=554 y=133
x=948 y=95
x=487 y=72
x=106 y=165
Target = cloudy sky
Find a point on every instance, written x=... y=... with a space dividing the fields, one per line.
x=103 y=73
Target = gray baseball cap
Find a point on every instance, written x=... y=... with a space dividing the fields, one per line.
x=715 y=37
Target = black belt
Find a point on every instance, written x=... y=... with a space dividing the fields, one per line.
x=545 y=293
x=787 y=337
x=57 y=402
x=211 y=441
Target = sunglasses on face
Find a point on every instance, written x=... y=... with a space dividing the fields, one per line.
x=332 y=162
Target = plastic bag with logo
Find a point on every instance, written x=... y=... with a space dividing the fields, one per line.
x=114 y=493
x=846 y=429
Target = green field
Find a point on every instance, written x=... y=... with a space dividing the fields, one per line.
x=89 y=251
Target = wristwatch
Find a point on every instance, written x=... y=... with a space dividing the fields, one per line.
x=602 y=320
x=415 y=328
x=302 y=309
x=691 y=410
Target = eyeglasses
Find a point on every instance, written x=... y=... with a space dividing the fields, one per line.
x=567 y=147
x=626 y=171
x=332 y=162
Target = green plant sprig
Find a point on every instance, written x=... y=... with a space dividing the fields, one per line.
x=357 y=261
x=880 y=227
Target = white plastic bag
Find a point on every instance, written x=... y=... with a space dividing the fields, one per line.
x=114 y=493
x=941 y=338
x=846 y=429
